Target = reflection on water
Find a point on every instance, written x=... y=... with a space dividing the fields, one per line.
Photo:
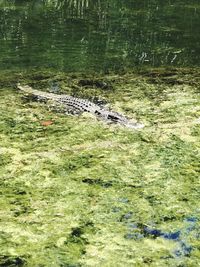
x=82 y=35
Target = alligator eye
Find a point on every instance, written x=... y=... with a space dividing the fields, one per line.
x=114 y=118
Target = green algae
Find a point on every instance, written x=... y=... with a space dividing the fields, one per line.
x=80 y=192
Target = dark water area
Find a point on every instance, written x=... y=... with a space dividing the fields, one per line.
x=87 y=35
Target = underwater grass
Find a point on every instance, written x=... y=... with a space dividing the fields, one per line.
x=80 y=192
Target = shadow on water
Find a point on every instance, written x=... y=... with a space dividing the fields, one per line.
x=6 y=261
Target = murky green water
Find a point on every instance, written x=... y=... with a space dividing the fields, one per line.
x=99 y=35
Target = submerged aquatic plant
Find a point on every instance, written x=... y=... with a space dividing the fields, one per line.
x=81 y=193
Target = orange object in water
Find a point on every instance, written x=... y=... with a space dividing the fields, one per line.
x=46 y=123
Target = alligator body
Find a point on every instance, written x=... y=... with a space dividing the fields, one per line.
x=78 y=105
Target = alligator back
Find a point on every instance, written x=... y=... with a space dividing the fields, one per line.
x=81 y=105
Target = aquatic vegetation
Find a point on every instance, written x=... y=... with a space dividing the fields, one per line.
x=77 y=192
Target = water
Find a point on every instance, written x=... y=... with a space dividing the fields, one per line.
x=103 y=35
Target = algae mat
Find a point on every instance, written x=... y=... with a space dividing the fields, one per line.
x=78 y=192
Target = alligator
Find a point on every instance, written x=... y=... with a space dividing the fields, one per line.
x=78 y=105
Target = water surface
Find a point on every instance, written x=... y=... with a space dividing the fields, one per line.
x=99 y=35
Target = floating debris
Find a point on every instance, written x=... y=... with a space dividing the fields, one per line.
x=46 y=123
